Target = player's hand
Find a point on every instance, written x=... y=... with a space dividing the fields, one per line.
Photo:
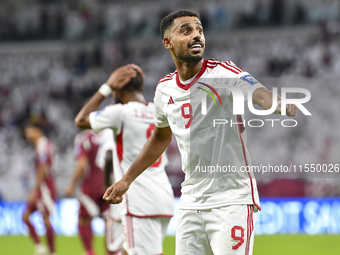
x=120 y=77
x=69 y=191
x=114 y=193
x=138 y=69
x=291 y=110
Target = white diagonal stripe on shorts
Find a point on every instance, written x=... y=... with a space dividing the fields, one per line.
x=91 y=207
x=47 y=198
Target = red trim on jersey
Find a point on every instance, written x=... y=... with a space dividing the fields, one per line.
x=250 y=227
x=211 y=66
x=239 y=121
x=120 y=145
x=245 y=159
x=233 y=66
x=168 y=77
x=213 y=63
x=150 y=216
x=186 y=87
x=231 y=70
x=129 y=227
x=164 y=80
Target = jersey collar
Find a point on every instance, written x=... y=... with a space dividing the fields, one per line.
x=187 y=86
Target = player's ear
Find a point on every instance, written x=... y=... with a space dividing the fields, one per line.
x=167 y=43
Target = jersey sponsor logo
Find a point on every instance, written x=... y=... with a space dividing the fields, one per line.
x=209 y=93
x=250 y=79
x=171 y=101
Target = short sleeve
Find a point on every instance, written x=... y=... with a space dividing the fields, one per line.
x=109 y=117
x=246 y=82
x=161 y=120
x=42 y=152
x=80 y=151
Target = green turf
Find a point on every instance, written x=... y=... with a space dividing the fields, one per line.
x=264 y=245
x=22 y=245
x=297 y=245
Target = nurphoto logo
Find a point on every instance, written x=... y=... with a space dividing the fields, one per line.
x=239 y=98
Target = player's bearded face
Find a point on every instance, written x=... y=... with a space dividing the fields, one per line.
x=188 y=39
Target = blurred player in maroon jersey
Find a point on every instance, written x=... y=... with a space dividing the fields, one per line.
x=42 y=197
x=91 y=203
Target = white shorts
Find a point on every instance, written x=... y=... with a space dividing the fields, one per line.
x=114 y=236
x=228 y=230
x=144 y=236
x=114 y=232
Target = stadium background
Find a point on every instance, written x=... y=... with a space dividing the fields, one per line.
x=54 y=54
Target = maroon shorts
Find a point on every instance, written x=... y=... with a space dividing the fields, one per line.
x=92 y=205
x=44 y=203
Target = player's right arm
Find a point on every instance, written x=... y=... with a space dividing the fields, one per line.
x=152 y=150
x=81 y=165
x=118 y=79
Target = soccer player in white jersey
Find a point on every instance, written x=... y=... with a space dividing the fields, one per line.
x=216 y=214
x=149 y=202
x=114 y=228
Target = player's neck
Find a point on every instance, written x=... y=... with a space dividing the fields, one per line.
x=187 y=71
x=36 y=139
x=136 y=97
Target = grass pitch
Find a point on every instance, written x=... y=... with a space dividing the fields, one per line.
x=264 y=245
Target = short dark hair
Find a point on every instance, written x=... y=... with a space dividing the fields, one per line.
x=168 y=20
x=135 y=84
x=33 y=123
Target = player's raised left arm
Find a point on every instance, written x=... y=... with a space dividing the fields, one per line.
x=79 y=171
x=118 y=79
x=264 y=98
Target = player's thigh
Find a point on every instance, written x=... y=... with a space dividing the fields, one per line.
x=143 y=235
x=114 y=235
x=89 y=205
x=46 y=208
x=190 y=234
x=230 y=229
x=46 y=201
x=30 y=208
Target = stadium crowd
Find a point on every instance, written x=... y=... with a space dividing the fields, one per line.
x=52 y=85
x=81 y=19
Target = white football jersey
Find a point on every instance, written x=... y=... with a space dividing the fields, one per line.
x=150 y=195
x=107 y=142
x=213 y=156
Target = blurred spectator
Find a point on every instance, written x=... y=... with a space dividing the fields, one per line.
x=299 y=13
x=277 y=12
